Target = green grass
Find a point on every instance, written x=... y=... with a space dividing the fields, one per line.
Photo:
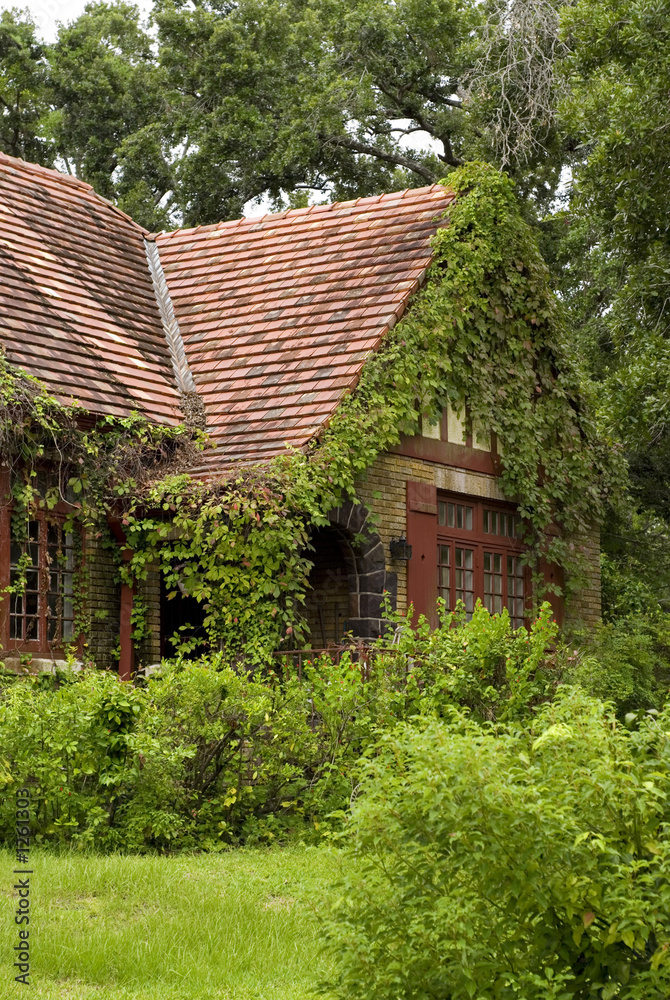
x=235 y=926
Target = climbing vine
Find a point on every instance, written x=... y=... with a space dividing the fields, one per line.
x=485 y=332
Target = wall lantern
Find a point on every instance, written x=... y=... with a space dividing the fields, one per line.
x=400 y=549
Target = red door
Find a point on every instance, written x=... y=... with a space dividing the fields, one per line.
x=422 y=536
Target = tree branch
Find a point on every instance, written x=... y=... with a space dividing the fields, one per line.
x=380 y=154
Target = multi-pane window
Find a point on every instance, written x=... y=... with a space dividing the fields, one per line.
x=498 y=522
x=24 y=579
x=456 y=575
x=455 y=515
x=41 y=577
x=479 y=556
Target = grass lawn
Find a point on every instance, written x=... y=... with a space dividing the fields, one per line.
x=236 y=926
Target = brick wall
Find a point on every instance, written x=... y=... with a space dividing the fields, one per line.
x=585 y=606
x=103 y=603
x=148 y=651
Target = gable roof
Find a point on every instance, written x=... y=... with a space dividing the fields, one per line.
x=273 y=318
x=278 y=314
x=77 y=306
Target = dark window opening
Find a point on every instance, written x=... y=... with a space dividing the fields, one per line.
x=182 y=623
x=327 y=602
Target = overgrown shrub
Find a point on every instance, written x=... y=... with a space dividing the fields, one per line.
x=510 y=862
x=205 y=756
x=621 y=663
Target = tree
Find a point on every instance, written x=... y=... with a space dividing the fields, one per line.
x=274 y=96
x=513 y=862
x=24 y=98
x=110 y=126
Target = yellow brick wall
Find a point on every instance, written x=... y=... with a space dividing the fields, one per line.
x=585 y=606
x=103 y=602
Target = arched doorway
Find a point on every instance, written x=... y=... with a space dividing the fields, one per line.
x=349 y=581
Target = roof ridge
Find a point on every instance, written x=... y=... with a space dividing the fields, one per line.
x=295 y=213
x=37 y=168
x=175 y=343
x=20 y=164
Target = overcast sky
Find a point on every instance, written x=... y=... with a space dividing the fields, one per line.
x=47 y=13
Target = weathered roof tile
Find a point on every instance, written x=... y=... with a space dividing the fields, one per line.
x=277 y=314
x=288 y=307
x=77 y=307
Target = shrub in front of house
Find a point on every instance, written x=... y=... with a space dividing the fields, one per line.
x=527 y=860
x=204 y=756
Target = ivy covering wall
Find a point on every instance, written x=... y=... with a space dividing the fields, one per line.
x=485 y=330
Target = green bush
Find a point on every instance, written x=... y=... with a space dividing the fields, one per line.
x=483 y=664
x=204 y=756
x=526 y=862
x=623 y=662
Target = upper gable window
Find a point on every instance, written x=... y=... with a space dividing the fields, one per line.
x=455 y=427
x=455 y=515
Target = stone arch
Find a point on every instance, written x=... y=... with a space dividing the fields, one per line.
x=361 y=554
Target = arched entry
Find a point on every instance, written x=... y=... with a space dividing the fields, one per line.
x=349 y=580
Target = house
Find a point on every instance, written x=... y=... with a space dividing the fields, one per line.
x=257 y=328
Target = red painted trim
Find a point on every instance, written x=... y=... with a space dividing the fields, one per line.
x=555 y=574
x=422 y=536
x=446 y=453
x=5 y=552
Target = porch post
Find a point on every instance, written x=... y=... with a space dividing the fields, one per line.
x=126 y=646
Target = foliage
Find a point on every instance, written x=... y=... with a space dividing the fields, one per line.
x=626 y=660
x=108 y=98
x=483 y=665
x=225 y=103
x=23 y=90
x=276 y=96
x=517 y=862
x=203 y=756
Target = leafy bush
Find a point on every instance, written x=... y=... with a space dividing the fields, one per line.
x=620 y=663
x=513 y=862
x=205 y=756
x=483 y=664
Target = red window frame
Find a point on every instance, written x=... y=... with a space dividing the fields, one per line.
x=33 y=622
x=479 y=556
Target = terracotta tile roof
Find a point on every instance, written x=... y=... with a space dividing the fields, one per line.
x=278 y=314
x=77 y=305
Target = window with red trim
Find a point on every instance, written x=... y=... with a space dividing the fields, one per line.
x=39 y=566
x=479 y=556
